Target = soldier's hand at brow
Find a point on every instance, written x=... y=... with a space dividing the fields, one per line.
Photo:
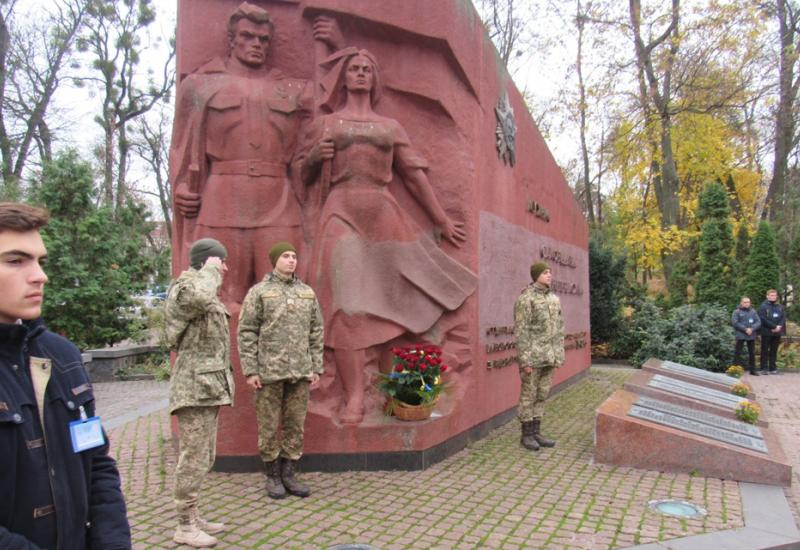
x=314 y=381
x=254 y=381
x=214 y=260
x=528 y=370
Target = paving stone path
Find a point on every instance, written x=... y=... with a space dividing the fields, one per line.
x=494 y=494
x=778 y=395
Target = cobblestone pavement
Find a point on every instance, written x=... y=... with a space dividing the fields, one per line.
x=493 y=494
x=778 y=396
x=121 y=402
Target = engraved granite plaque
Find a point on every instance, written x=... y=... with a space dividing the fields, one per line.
x=699 y=428
x=694 y=391
x=716 y=377
x=700 y=416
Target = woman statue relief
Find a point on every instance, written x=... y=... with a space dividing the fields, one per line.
x=376 y=273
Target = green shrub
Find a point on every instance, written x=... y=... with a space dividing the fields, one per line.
x=606 y=280
x=696 y=335
x=634 y=330
x=763 y=269
x=715 y=279
x=95 y=256
x=742 y=250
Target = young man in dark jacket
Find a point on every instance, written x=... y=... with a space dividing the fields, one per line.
x=60 y=488
x=773 y=325
x=745 y=323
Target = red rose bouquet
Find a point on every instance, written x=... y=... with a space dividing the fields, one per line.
x=416 y=375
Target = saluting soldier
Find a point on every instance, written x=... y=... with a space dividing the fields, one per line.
x=201 y=381
x=280 y=351
x=539 y=327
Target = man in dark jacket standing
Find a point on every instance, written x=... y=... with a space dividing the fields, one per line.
x=745 y=323
x=773 y=325
x=60 y=487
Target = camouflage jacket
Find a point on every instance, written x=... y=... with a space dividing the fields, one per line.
x=197 y=330
x=280 y=330
x=539 y=327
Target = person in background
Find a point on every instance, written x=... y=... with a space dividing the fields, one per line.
x=60 y=487
x=773 y=325
x=745 y=323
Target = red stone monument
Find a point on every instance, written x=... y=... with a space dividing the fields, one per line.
x=386 y=141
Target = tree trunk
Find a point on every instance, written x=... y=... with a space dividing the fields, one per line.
x=108 y=163
x=123 y=147
x=656 y=100
x=587 y=182
x=5 y=143
x=784 y=121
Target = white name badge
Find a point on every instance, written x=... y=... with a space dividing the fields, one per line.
x=86 y=434
x=775 y=314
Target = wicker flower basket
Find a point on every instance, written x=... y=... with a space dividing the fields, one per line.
x=403 y=411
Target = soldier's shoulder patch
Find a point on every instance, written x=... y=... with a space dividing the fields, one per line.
x=305 y=292
x=270 y=293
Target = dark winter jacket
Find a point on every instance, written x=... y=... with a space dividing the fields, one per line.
x=743 y=319
x=52 y=497
x=772 y=315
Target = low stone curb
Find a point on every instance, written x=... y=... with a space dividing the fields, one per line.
x=768 y=524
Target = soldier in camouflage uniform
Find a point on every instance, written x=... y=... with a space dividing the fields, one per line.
x=539 y=327
x=201 y=381
x=280 y=351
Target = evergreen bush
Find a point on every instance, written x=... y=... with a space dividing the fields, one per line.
x=634 y=330
x=698 y=335
x=606 y=280
x=742 y=245
x=95 y=260
x=763 y=270
x=715 y=276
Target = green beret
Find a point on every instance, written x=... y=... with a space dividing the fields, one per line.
x=204 y=249
x=537 y=269
x=278 y=249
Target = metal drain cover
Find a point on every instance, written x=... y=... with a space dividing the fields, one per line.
x=677 y=508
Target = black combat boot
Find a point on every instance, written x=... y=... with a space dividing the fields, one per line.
x=292 y=484
x=540 y=439
x=275 y=488
x=528 y=440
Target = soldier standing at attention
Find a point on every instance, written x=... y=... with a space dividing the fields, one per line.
x=280 y=351
x=197 y=330
x=539 y=327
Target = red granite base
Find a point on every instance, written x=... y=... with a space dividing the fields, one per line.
x=622 y=440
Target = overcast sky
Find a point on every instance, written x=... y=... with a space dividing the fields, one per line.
x=80 y=105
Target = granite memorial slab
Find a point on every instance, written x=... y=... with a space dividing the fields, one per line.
x=685 y=394
x=706 y=418
x=627 y=433
x=696 y=391
x=699 y=428
x=715 y=380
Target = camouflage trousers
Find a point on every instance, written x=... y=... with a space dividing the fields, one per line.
x=533 y=393
x=284 y=401
x=197 y=432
